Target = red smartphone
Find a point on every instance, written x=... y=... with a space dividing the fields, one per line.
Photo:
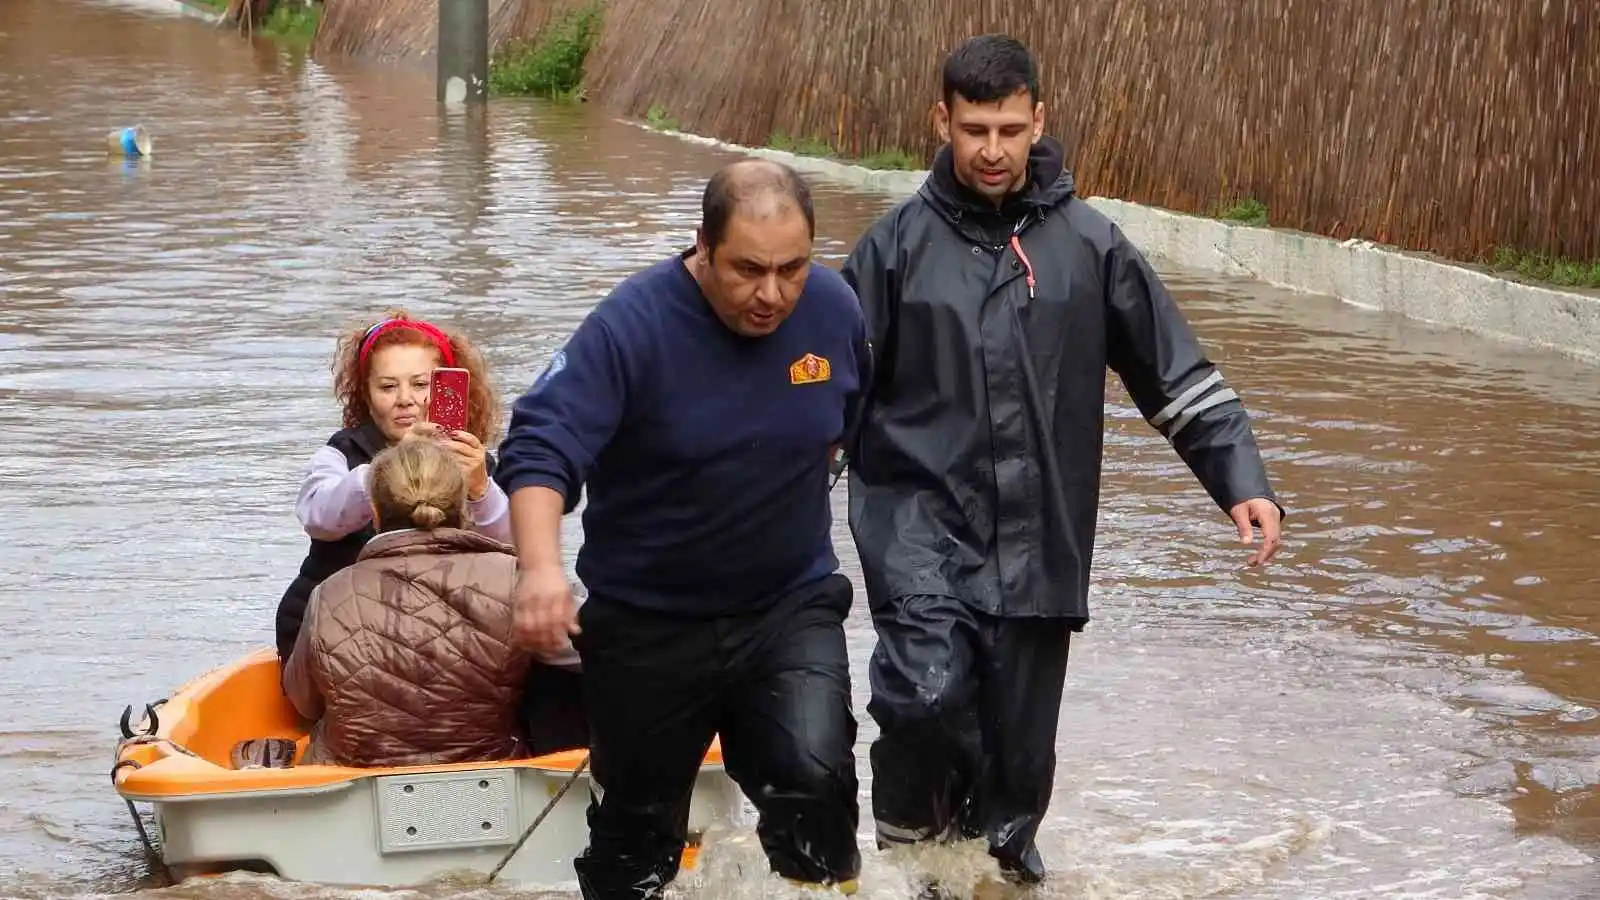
x=447 y=398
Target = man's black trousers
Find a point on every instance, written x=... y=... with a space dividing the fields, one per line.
x=966 y=706
x=774 y=683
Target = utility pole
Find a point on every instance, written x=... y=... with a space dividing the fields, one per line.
x=463 y=51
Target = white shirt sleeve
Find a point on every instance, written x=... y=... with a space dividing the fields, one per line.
x=333 y=498
x=491 y=514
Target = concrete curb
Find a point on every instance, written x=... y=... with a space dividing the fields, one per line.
x=192 y=10
x=186 y=8
x=1358 y=272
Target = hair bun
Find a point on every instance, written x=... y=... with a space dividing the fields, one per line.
x=426 y=515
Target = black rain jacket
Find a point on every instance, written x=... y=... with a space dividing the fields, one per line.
x=975 y=472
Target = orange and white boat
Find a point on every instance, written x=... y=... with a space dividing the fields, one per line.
x=344 y=826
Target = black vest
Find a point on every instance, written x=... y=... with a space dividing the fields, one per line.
x=359 y=445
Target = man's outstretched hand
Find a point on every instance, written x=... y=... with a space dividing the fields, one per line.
x=1262 y=513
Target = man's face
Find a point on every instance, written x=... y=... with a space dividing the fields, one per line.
x=989 y=142
x=754 y=277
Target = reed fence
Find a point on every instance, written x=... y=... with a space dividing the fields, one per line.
x=1452 y=126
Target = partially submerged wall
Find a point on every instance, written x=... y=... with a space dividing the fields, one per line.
x=1353 y=270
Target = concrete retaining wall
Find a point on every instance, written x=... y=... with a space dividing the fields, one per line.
x=1357 y=272
x=176 y=8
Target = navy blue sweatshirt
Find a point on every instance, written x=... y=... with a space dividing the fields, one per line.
x=704 y=452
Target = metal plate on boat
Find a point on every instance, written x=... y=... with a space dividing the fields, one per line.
x=447 y=809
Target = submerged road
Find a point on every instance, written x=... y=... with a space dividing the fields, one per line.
x=1404 y=706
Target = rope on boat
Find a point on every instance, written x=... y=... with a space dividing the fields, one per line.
x=156 y=860
x=169 y=743
x=528 y=832
x=129 y=739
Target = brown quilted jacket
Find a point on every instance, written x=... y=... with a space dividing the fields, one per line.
x=406 y=656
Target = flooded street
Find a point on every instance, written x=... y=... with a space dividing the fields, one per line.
x=1406 y=705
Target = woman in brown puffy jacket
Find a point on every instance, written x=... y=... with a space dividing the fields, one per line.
x=406 y=657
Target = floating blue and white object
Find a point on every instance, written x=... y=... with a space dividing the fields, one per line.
x=130 y=142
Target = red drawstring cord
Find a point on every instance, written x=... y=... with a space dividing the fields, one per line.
x=1016 y=244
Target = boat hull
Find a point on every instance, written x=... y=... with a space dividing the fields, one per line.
x=388 y=827
x=371 y=831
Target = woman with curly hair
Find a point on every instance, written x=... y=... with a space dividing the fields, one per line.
x=381 y=375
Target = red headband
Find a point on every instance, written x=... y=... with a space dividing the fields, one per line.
x=440 y=342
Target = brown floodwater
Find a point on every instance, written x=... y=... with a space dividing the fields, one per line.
x=1406 y=705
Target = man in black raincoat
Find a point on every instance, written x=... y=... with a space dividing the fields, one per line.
x=995 y=301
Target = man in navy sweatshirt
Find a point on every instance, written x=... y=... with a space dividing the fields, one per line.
x=699 y=404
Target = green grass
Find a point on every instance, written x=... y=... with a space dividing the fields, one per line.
x=1248 y=211
x=658 y=119
x=1533 y=267
x=292 y=23
x=800 y=146
x=1545 y=268
x=898 y=160
x=551 y=63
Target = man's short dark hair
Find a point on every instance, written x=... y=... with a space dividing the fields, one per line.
x=741 y=182
x=989 y=68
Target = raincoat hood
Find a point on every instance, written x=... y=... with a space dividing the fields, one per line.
x=1050 y=184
